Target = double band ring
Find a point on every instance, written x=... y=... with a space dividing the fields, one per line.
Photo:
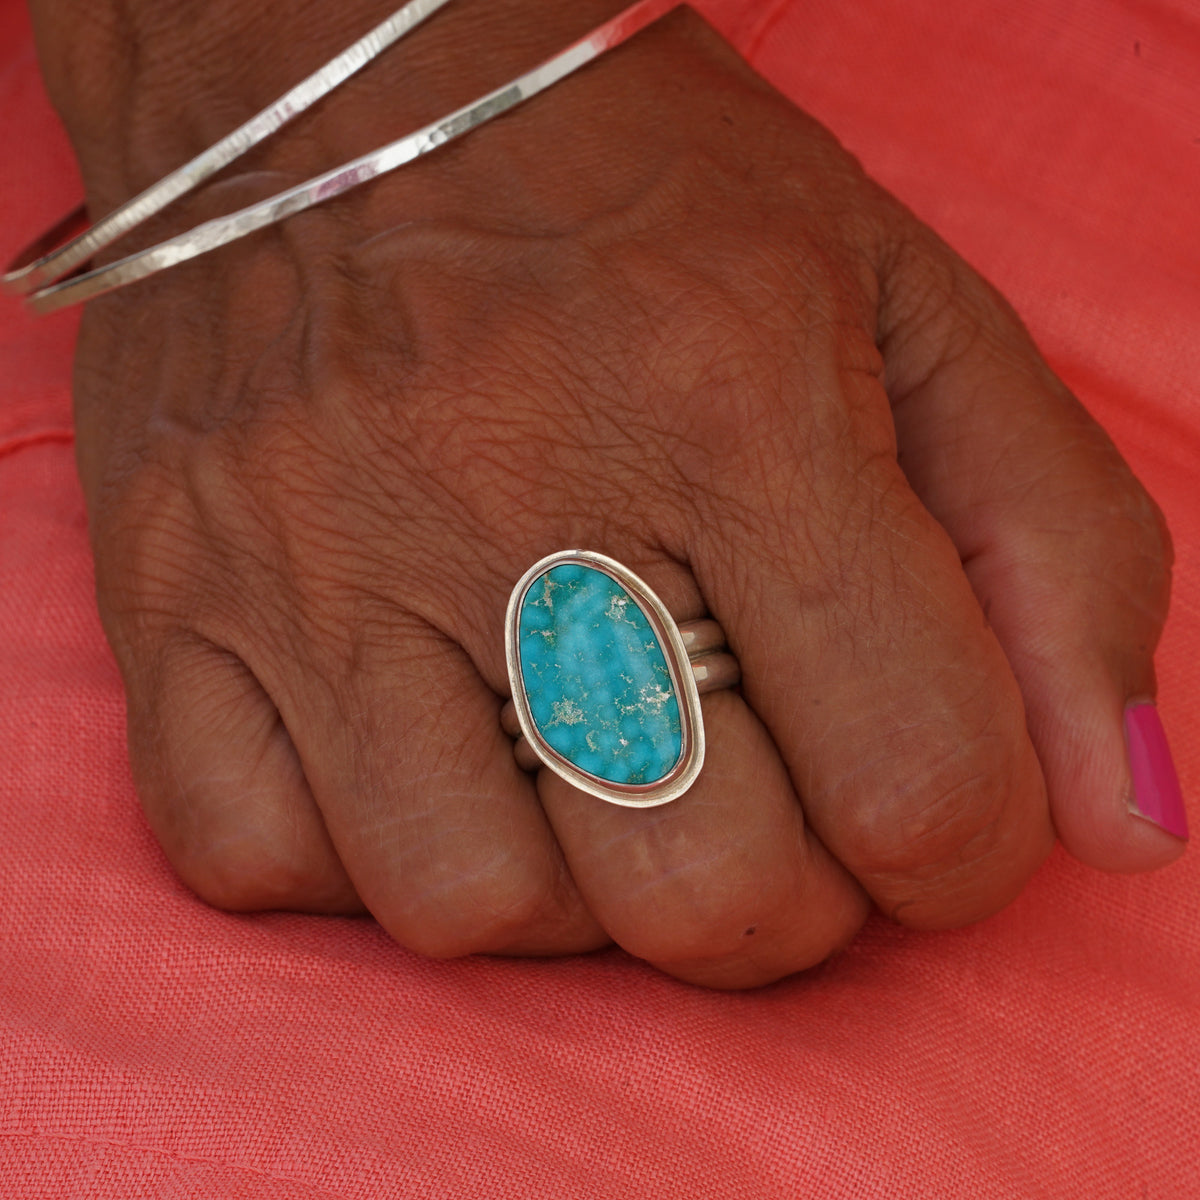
x=605 y=685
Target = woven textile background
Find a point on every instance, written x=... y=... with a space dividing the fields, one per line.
x=150 y=1046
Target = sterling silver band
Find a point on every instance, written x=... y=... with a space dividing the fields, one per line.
x=26 y=275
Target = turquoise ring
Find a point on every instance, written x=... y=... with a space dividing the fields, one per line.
x=605 y=685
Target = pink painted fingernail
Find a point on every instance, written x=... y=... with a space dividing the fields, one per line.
x=1156 y=794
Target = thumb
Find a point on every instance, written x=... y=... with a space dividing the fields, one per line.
x=1068 y=555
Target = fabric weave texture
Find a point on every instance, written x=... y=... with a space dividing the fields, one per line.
x=153 y=1047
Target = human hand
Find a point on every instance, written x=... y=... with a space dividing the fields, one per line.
x=657 y=313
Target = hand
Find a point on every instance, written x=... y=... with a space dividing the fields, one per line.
x=657 y=313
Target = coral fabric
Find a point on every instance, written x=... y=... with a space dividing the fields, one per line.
x=150 y=1046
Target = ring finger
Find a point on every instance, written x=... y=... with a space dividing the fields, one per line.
x=724 y=886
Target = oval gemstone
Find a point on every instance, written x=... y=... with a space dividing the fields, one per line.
x=596 y=678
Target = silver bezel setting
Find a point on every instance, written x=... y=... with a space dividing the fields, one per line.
x=691 y=758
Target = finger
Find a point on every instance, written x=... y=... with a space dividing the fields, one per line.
x=1069 y=557
x=723 y=887
x=222 y=786
x=864 y=653
x=440 y=831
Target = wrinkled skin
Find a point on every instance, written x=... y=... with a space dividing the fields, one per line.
x=660 y=314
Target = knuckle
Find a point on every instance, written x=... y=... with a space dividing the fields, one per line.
x=941 y=821
x=237 y=842
x=692 y=919
x=242 y=872
x=737 y=971
x=439 y=936
x=470 y=912
x=439 y=941
x=704 y=960
x=462 y=932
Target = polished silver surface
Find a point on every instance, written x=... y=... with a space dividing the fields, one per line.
x=25 y=276
x=223 y=230
x=715 y=671
x=699 y=637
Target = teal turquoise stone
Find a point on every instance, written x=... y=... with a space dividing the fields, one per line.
x=596 y=678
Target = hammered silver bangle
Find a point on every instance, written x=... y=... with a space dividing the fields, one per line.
x=45 y=275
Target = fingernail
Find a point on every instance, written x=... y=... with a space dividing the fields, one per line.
x=1156 y=793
